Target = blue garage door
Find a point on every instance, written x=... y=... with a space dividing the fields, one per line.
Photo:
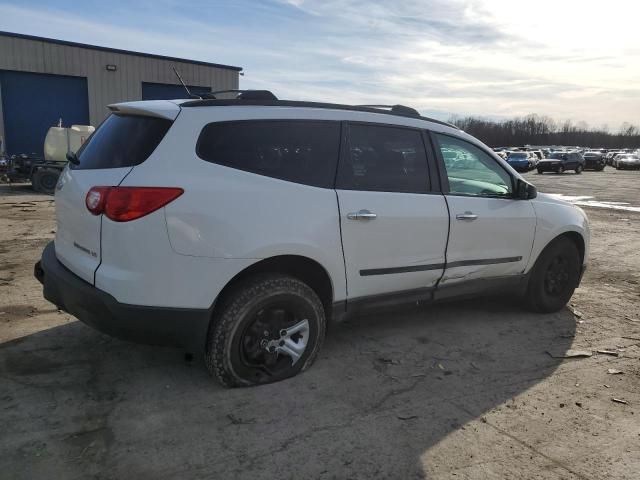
x=165 y=91
x=33 y=102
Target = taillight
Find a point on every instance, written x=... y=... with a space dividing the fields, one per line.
x=122 y=204
x=96 y=199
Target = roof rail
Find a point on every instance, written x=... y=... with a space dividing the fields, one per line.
x=243 y=94
x=402 y=109
x=392 y=109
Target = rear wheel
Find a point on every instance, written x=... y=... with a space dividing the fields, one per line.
x=45 y=180
x=270 y=328
x=554 y=277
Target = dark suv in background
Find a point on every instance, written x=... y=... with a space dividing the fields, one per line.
x=558 y=162
x=594 y=160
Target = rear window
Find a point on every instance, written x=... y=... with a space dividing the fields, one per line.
x=122 y=141
x=300 y=151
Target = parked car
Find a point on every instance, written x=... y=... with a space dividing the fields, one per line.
x=617 y=156
x=609 y=158
x=233 y=227
x=521 y=161
x=627 y=161
x=559 y=162
x=594 y=160
x=539 y=154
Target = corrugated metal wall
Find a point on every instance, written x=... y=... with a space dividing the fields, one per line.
x=106 y=87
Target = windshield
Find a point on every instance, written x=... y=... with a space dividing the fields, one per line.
x=518 y=156
x=558 y=156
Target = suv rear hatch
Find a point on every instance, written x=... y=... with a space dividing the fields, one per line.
x=125 y=139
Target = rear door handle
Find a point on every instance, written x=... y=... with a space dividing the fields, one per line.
x=361 y=215
x=468 y=216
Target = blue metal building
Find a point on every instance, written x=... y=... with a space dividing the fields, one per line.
x=44 y=82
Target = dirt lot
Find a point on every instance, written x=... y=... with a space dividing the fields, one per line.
x=463 y=390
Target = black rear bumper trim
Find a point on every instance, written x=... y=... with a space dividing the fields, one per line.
x=182 y=327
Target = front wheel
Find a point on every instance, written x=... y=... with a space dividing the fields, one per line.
x=579 y=169
x=554 y=276
x=270 y=328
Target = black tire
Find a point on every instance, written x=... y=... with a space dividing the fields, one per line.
x=579 y=169
x=599 y=169
x=550 y=289
x=618 y=167
x=45 y=180
x=235 y=353
x=540 y=172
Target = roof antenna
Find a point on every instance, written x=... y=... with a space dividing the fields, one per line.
x=185 y=85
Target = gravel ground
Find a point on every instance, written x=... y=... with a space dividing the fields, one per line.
x=462 y=390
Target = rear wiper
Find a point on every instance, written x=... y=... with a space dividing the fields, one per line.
x=73 y=158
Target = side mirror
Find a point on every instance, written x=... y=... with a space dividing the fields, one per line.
x=524 y=190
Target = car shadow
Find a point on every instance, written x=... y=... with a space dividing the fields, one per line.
x=385 y=389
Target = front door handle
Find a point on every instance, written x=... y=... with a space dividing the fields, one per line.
x=361 y=215
x=468 y=216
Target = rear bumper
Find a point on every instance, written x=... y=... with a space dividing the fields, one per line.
x=181 y=327
x=593 y=164
x=549 y=166
x=520 y=167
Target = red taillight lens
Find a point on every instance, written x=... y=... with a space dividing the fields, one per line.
x=122 y=204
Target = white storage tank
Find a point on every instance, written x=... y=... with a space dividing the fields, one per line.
x=61 y=140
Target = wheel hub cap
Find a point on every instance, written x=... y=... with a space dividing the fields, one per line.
x=292 y=341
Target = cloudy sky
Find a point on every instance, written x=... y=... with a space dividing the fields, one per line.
x=568 y=59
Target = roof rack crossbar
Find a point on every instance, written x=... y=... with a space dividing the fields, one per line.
x=243 y=94
x=402 y=109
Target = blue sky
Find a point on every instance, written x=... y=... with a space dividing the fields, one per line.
x=567 y=59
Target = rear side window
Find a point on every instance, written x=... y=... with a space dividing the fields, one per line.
x=384 y=159
x=122 y=141
x=297 y=151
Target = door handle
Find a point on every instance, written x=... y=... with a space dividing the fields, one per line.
x=361 y=215
x=469 y=216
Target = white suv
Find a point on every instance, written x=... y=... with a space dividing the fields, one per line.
x=238 y=228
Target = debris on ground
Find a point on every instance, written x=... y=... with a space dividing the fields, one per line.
x=619 y=400
x=406 y=417
x=577 y=313
x=609 y=352
x=569 y=353
x=613 y=371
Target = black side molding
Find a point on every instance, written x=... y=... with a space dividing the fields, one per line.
x=437 y=266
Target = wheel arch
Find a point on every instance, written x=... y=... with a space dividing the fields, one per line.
x=303 y=268
x=574 y=236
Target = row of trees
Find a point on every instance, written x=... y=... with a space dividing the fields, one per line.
x=542 y=130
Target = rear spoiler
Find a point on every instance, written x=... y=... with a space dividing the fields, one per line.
x=150 y=108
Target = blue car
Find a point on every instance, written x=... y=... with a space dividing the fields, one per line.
x=520 y=161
